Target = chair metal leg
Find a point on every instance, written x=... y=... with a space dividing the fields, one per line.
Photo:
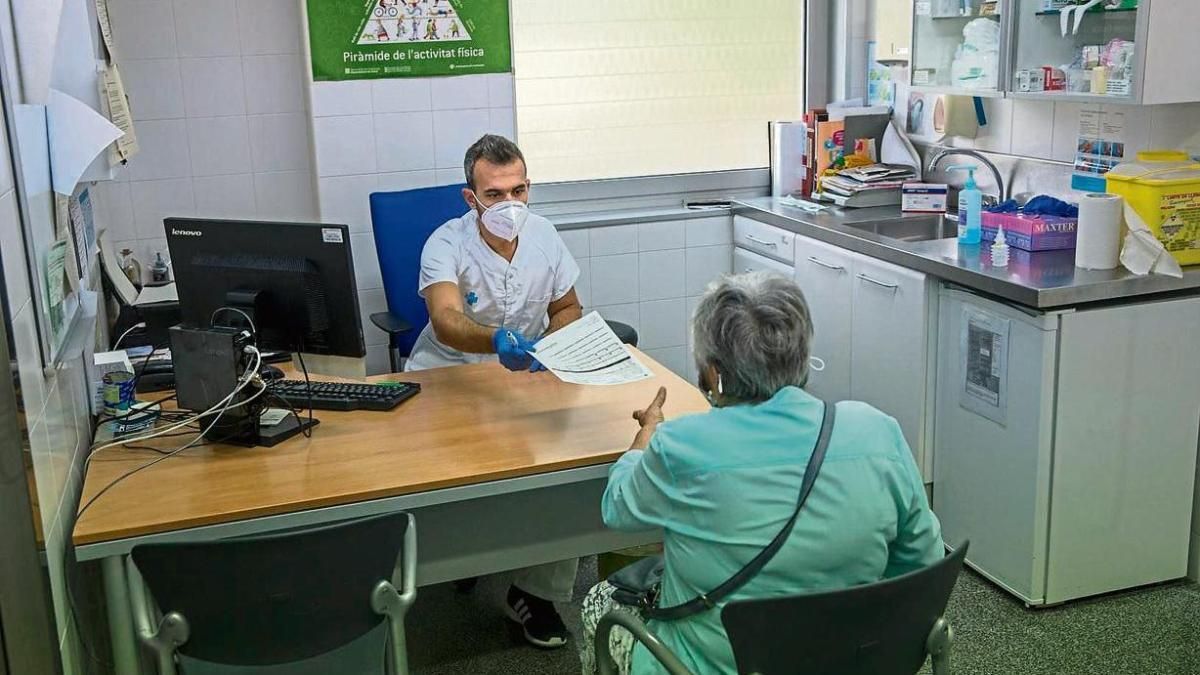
x=941 y=638
x=641 y=633
x=163 y=637
x=387 y=601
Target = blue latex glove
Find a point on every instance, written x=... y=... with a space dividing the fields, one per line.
x=537 y=366
x=1009 y=206
x=513 y=349
x=1045 y=205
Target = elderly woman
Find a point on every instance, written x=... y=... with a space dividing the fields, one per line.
x=721 y=485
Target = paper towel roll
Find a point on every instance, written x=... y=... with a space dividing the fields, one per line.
x=1098 y=243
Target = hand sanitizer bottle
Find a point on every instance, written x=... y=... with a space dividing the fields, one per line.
x=970 y=208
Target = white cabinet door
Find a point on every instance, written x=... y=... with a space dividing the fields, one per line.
x=824 y=273
x=768 y=240
x=890 y=345
x=748 y=261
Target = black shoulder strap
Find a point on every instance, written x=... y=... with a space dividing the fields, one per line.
x=709 y=600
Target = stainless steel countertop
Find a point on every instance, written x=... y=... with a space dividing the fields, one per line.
x=1042 y=280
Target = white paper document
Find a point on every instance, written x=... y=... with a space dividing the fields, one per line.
x=78 y=135
x=589 y=352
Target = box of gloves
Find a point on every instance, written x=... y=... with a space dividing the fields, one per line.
x=1032 y=232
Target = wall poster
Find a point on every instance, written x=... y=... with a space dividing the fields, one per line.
x=373 y=39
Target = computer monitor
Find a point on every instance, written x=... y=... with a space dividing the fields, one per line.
x=294 y=280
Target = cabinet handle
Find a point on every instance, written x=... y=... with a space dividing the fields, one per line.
x=761 y=242
x=829 y=266
x=877 y=282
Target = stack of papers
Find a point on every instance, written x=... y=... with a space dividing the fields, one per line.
x=589 y=352
x=872 y=185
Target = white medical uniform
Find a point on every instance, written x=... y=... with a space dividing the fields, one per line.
x=497 y=292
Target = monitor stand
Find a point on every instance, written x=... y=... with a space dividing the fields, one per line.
x=278 y=433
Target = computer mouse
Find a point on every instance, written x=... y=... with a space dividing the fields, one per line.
x=269 y=372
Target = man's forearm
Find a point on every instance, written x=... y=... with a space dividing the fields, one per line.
x=564 y=316
x=457 y=331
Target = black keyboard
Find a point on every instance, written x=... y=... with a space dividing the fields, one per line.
x=343 y=395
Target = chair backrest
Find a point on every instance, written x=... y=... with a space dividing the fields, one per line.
x=876 y=629
x=278 y=598
x=402 y=222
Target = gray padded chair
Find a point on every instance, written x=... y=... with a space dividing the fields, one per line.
x=322 y=599
x=885 y=628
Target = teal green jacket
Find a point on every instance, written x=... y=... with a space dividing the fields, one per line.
x=722 y=484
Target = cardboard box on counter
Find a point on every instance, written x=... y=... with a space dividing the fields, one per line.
x=1032 y=233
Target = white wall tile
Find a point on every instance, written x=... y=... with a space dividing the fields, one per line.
x=663 y=324
x=346 y=200
x=613 y=240
x=225 y=197
x=49 y=488
x=113 y=209
x=29 y=362
x=330 y=99
x=450 y=176
x=404 y=141
x=577 y=242
x=208 y=28
x=370 y=301
x=996 y=136
x=460 y=93
x=583 y=285
x=502 y=122
x=1175 y=127
x=660 y=235
x=1032 y=129
x=143 y=29
x=285 y=195
x=714 y=231
x=407 y=180
x=366 y=262
x=661 y=274
x=378 y=361
x=279 y=142
x=269 y=26
x=411 y=94
x=500 y=90
x=164 y=151
x=12 y=253
x=154 y=87
x=689 y=312
x=213 y=86
x=154 y=200
x=624 y=313
x=454 y=131
x=704 y=265
x=6 y=175
x=220 y=146
x=1066 y=131
x=345 y=145
x=615 y=279
x=674 y=358
x=274 y=84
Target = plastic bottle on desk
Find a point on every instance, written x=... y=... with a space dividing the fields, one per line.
x=1000 y=249
x=970 y=208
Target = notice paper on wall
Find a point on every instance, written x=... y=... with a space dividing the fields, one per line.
x=589 y=352
x=1099 y=147
x=78 y=135
x=984 y=352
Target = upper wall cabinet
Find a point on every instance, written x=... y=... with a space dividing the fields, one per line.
x=1119 y=51
x=959 y=46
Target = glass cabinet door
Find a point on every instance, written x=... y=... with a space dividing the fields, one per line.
x=1062 y=52
x=959 y=45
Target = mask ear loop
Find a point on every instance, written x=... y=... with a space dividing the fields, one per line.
x=816 y=363
x=720 y=385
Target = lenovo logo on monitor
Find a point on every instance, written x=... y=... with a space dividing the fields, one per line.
x=186 y=233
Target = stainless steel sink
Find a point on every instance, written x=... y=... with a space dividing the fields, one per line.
x=911 y=229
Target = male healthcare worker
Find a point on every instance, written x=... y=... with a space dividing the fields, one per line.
x=495 y=280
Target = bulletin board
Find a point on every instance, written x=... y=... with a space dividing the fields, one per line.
x=373 y=39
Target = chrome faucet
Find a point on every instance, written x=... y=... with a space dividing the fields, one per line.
x=981 y=158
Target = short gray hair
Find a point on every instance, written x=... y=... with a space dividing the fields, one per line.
x=495 y=149
x=756 y=330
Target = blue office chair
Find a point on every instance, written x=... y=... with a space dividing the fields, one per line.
x=402 y=222
x=317 y=599
x=885 y=628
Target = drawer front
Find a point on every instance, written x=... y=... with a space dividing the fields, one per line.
x=748 y=261
x=764 y=239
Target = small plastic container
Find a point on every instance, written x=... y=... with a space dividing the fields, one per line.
x=1163 y=187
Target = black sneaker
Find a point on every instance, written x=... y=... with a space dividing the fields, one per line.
x=538 y=618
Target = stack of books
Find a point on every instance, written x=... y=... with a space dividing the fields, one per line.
x=873 y=185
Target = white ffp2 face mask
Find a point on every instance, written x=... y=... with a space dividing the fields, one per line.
x=505 y=219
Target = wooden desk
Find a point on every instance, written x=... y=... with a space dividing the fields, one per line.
x=502 y=470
